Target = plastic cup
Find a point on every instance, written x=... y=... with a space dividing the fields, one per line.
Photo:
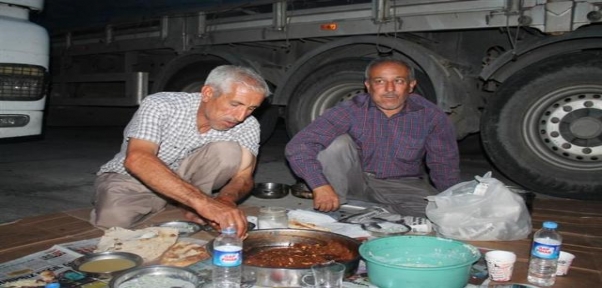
x=564 y=263
x=500 y=264
x=325 y=275
x=272 y=217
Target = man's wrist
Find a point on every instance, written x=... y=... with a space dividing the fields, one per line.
x=228 y=197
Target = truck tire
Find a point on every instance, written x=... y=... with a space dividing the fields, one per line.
x=544 y=127
x=192 y=78
x=330 y=84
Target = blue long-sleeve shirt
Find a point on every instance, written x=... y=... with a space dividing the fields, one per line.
x=388 y=147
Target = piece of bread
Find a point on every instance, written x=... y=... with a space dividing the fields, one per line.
x=149 y=243
x=25 y=283
x=303 y=225
x=183 y=254
x=45 y=278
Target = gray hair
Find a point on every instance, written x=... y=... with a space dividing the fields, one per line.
x=383 y=60
x=222 y=77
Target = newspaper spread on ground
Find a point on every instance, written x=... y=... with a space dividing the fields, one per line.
x=56 y=261
x=59 y=258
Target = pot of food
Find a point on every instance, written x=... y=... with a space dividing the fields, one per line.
x=281 y=257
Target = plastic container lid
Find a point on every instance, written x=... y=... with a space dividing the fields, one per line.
x=550 y=225
x=277 y=211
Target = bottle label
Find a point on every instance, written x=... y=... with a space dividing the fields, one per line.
x=227 y=256
x=545 y=251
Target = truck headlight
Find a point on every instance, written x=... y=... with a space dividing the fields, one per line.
x=13 y=120
x=22 y=82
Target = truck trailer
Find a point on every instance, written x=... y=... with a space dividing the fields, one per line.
x=525 y=74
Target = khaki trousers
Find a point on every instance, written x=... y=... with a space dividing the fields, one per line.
x=342 y=167
x=123 y=201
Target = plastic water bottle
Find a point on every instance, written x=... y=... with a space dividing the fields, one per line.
x=227 y=259
x=544 y=255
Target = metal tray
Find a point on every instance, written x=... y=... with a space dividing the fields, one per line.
x=290 y=277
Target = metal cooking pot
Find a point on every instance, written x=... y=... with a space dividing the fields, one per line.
x=291 y=277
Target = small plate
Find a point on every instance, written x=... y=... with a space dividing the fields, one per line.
x=185 y=228
x=385 y=228
x=106 y=264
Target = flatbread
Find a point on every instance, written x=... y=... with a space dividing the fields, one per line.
x=46 y=277
x=183 y=254
x=149 y=243
x=25 y=283
x=304 y=225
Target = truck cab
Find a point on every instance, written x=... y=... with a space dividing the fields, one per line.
x=24 y=58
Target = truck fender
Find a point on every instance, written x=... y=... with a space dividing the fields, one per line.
x=526 y=54
x=206 y=57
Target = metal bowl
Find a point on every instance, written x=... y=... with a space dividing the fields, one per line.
x=185 y=228
x=302 y=191
x=106 y=259
x=385 y=228
x=275 y=238
x=271 y=190
x=159 y=271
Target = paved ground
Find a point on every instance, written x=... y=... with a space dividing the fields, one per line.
x=57 y=173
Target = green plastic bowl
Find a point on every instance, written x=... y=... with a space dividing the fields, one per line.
x=418 y=261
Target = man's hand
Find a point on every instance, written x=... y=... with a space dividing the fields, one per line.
x=325 y=199
x=192 y=216
x=221 y=214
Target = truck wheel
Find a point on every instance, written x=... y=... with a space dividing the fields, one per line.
x=331 y=84
x=544 y=127
x=192 y=78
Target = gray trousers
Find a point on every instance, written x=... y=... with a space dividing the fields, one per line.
x=342 y=167
x=123 y=201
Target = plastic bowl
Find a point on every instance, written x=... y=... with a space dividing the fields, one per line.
x=418 y=261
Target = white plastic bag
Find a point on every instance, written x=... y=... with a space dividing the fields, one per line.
x=480 y=210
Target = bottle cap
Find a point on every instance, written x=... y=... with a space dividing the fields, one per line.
x=550 y=225
x=52 y=285
x=229 y=230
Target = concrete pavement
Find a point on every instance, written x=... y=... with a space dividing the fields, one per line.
x=57 y=173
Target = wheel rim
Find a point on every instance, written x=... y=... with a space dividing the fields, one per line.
x=333 y=95
x=565 y=127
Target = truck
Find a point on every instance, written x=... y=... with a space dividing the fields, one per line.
x=524 y=74
x=24 y=59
